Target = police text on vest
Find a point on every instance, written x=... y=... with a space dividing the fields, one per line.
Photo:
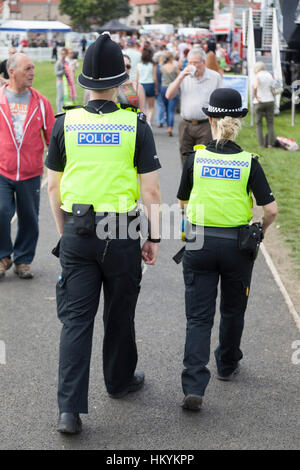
x=98 y=138
x=224 y=173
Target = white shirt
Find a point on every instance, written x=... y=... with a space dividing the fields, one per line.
x=145 y=72
x=135 y=57
x=195 y=94
x=264 y=83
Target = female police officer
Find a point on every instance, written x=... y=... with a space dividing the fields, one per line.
x=95 y=157
x=216 y=184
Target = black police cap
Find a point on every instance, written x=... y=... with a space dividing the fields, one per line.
x=225 y=102
x=103 y=65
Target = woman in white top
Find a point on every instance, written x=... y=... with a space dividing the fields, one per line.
x=263 y=100
x=146 y=75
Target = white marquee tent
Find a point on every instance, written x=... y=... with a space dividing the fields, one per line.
x=34 y=26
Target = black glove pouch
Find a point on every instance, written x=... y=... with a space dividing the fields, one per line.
x=84 y=219
x=250 y=237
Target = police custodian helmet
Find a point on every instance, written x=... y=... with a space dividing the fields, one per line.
x=225 y=102
x=103 y=65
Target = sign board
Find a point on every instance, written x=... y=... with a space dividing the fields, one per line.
x=239 y=83
x=222 y=24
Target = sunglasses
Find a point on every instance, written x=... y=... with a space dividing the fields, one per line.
x=128 y=66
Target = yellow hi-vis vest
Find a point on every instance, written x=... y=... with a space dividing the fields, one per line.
x=100 y=161
x=219 y=197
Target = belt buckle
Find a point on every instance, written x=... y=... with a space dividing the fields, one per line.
x=194 y=122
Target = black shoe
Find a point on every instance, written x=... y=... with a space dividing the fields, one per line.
x=69 y=423
x=135 y=384
x=192 y=402
x=228 y=378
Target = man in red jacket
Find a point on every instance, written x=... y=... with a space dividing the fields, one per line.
x=25 y=115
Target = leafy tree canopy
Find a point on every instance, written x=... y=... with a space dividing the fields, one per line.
x=87 y=12
x=187 y=12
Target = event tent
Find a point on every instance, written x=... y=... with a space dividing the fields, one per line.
x=34 y=26
x=114 y=26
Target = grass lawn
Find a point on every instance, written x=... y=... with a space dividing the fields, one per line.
x=281 y=167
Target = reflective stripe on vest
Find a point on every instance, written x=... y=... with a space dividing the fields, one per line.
x=100 y=161
x=219 y=197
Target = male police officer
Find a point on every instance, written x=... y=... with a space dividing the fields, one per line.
x=95 y=157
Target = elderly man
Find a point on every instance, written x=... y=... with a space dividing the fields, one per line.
x=196 y=83
x=24 y=115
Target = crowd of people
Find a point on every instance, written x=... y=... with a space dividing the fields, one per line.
x=154 y=63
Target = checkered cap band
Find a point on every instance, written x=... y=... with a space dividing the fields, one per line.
x=214 y=109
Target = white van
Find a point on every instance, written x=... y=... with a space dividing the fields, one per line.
x=158 y=28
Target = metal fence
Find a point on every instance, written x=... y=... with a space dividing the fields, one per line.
x=37 y=54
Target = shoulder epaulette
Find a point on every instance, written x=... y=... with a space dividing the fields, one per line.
x=128 y=107
x=199 y=147
x=255 y=156
x=68 y=108
x=60 y=114
x=142 y=117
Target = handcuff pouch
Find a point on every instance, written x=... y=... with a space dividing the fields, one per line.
x=84 y=219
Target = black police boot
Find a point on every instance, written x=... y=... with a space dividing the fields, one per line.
x=69 y=423
x=134 y=385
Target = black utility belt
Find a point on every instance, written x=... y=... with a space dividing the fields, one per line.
x=70 y=219
x=85 y=219
x=249 y=237
x=231 y=233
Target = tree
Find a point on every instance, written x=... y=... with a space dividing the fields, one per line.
x=87 y=12
x=187 y=12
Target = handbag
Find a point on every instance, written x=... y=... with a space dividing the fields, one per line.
x=276 y=88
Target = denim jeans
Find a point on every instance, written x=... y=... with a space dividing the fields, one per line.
x=161 y=116
x=24 y=198
x=219 y=259
x=169 y=106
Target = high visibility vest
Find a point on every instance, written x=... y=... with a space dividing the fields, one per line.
x=219 y=197
x=100 y=161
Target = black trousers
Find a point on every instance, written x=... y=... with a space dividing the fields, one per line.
x=86 y=266
x=219 y=259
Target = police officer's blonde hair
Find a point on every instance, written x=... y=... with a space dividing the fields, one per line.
x=227 y=128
